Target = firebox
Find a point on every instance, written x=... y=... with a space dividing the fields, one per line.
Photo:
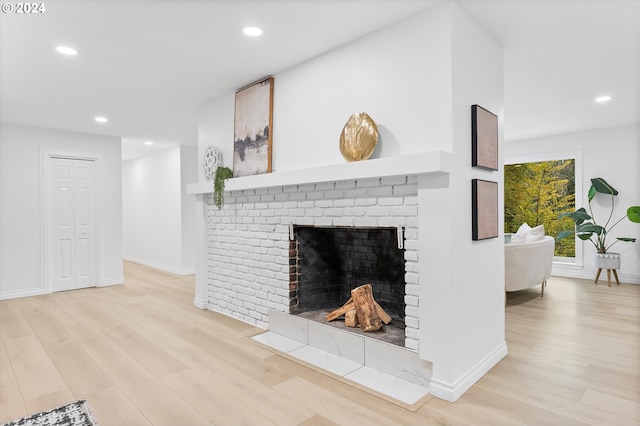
x=326 y=263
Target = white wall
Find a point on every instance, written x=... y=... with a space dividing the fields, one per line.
x=396 y=75
x=463 y=293
x=188 y=174
x=158 y=215
x=417 y=79
x=21 y=221
x=613 y=154
x=215 y=127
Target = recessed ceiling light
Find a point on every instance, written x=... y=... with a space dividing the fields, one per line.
x=252 y=31
x=101 y=119
x=601 y=99
x=148 y=143
x=67 y=50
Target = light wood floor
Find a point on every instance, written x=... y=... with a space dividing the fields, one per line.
x=142 y=354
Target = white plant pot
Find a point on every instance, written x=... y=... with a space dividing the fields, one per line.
x=608 y=260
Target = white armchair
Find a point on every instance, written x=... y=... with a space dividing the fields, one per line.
x=528 y=264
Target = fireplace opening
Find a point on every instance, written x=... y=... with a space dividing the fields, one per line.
x=326 y=263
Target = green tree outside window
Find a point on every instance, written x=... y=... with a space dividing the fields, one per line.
x=537 y=193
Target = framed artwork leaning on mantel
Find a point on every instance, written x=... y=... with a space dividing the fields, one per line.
x=253 y=124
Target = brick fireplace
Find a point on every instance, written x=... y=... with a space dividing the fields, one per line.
x=250 y=244
x=254 y=266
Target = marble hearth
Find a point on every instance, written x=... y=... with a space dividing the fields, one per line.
x=387 y=369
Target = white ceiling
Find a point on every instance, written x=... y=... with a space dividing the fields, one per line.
x=149 y=65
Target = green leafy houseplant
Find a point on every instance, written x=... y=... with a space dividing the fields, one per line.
x=222 y=174
x=586 y=227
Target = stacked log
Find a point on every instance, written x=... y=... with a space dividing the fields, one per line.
x=361 y=310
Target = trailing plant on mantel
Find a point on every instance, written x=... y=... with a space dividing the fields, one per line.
x=586 y=227
x=222 y=174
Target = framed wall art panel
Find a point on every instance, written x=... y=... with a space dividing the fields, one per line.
x=484 y=209
x=253 y=124
x=484 y=138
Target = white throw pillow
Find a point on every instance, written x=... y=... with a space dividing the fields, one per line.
x=538 y=231
x=533 y=237
x=523 y=231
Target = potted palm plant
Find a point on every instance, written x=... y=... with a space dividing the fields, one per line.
x=588 y=229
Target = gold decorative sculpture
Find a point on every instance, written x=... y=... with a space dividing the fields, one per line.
x=359 y=137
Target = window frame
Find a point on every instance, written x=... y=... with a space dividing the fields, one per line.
x=559 y=263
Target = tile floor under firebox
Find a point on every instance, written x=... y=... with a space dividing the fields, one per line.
x=390 y=370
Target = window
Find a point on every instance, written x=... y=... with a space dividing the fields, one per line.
x=537 y=191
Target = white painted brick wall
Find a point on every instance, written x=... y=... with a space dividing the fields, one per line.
x=248 y=239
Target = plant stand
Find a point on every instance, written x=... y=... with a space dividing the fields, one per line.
x=615 y=274
x=610 y=262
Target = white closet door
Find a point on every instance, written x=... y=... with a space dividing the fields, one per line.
x=72 y=195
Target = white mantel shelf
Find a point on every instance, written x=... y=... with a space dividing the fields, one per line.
x=425 y=163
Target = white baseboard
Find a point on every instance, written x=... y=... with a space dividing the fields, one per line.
x=23 y=293
x=160 y=266
x=214 y=308
x=41 y=290
x=452 y=391
x=112 y=281
x=559 y=271
x=200 y=303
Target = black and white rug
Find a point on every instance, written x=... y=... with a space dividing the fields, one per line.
x=74 y=414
